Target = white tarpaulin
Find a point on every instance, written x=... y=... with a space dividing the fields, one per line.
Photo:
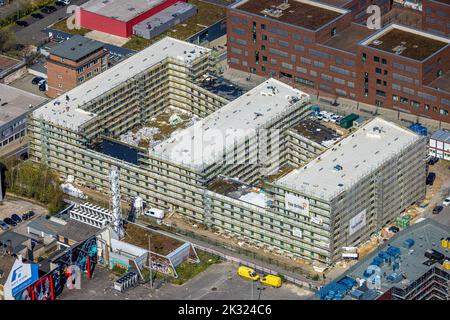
x=357 y=222
x=296 y=204
x=297 y=232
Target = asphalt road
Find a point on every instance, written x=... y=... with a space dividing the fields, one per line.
x=34 y=34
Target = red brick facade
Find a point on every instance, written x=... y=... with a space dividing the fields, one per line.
x=302 y=57
x=64 y=74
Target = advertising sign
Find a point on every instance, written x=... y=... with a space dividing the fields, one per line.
x=20 y=277
x=357 y=222
x=296 y=204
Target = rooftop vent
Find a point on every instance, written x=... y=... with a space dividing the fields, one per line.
x=338 y=167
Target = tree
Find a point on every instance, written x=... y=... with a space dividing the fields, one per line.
x=7 y=40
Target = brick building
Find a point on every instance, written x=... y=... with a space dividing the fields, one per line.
x=319 y=47
x=436 y=16
x=73 y=62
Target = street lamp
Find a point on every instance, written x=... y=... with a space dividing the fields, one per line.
x=260 y=289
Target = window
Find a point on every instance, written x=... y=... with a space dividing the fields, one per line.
x=263 y=48
x=383 y=61
x=377 y=70
x=380 y=93
x=394 y=97
x=404 y=100
x=363 y=58
x=376 y=59
x=379 y=81
x=263 y=26
x=385 y=72
x=333 y=31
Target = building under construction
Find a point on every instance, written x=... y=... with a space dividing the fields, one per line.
x=183 y=148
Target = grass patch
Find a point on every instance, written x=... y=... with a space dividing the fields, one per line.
x=207 y=15
x=137 y=43
x=118 y=270
x=62 y=26
x=188 y=270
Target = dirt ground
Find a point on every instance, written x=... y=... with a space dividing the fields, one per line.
x=160 y=244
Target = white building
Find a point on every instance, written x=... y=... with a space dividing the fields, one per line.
x=440 y=144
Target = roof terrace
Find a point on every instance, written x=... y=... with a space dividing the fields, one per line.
x=236 y=189
x=305 y=14
x=407 y=42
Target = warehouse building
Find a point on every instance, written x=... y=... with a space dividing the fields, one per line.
x=204 y=155
x=15 y=104
x=117 y=17
x=162 y=21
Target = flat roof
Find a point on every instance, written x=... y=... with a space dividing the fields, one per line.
x=356 y=156
x=447 y=2
x=426 y=235
x=7 y=62
x=442 y=83
x=119 y=9
x=70 y=113
x=317 y=132
x=15 y=102
x=441 y=135
x=302 y=13
x=236 y=189
x=76 y=48
x=204 y=142
x=406 y=42
x=348 y=39
x=165 y=15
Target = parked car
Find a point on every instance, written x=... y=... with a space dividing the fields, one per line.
x=16 y=218
x=430 y=178
x=41 y=82
x=60 y=3
x=22 y=23
x=37 y=15
x=46 y=10
x=3 y=226
x=446 y=202
x=36 y=80
x=394 y=229
x=247 y=273
x=31 y=213
x=10 y=222
x=437 y=209
x=43 y=86
x=51 y=8
x=271 y=280
x=433 y=161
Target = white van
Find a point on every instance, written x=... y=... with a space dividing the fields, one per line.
x=154 y=213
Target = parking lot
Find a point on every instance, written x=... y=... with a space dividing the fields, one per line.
x=33 y=33
x=218 y=282
x=11 y=205
x=438 y=191
x=25 y=84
